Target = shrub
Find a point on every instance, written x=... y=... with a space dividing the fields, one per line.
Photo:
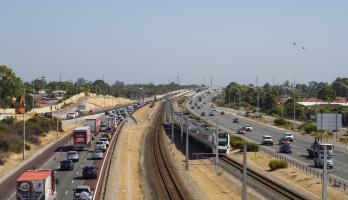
x=308 y=127
x=238 y=143
x=27 y=147
x=4 y=145
x=281 y=122
x=277 y=164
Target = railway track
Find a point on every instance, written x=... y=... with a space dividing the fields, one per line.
x=273 y=186
x=165 y=174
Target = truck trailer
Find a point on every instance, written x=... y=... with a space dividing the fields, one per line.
x=94 y=124
x=82 y=138
x=36 y=185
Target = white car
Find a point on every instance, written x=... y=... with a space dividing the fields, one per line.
x=267 y=140
x=289 y=136
x=71 y=115
x=100 y=146
x=105 y=140
x=72 y=155
x=83 y=192
x=248 y=128
x=97 y=154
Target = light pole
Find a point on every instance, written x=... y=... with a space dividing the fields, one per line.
x=33 y=84
x=294 y=93
x=23 y=122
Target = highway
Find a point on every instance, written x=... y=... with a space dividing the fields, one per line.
x=299 y=145
x=67 y=180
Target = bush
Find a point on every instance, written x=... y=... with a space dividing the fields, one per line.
x=308 y=127
x=277 y=164
x=281 y=122
x=238 y=143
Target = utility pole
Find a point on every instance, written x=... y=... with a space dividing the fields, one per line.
x=24 y=123
x=172 y=122
x=187 y=148
x=257 y=98
x=211 y=82
x=182 y=125
x=245 y=168
x=216 y=147
x=324 y=189
x=57 y=119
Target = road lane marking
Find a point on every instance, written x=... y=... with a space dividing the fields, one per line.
x=66 y=192
x=72 y=181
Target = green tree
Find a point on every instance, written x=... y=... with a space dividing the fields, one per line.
x=327 y=93
x=10 y=86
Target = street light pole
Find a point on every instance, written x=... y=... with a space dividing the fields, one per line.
x=187 y=148
x=24 y=123
x=33 y=84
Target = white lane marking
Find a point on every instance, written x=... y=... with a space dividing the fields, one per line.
x=77 y=172
x=72 y=181
x=66 y=192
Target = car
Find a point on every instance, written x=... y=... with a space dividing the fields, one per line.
x=319 y=162
x=100 y=146
x=66 y=165
x=267 y=140
x=103 y=127
x=203 y=114
x=283 y=140
x=192 y=107
x=211 y=113
x=105 y=140
x=222 y=113
x=248 y=127
x=289 y=136
x=89 y=171
x=199 y=107
x=235 y=120
x=107 y=135
x=83 y=192
x=97 y=154
x=285 y=148
x=48 y=114
x=241 y=131
x=72 y=155
x=71 y=115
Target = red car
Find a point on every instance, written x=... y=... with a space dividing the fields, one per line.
x=222 y=113
x=283 y=141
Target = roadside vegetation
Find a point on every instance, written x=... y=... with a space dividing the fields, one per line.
x=277 y=164
x=11 y=134
x=238 y=143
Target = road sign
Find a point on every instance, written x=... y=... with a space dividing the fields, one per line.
x=329 y=122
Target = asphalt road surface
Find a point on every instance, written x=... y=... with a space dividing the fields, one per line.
x=299 y=146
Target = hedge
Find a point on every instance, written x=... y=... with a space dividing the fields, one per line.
x=277 y=164
x=238 y=143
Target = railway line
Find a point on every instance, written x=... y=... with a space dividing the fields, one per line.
x=166 y=178
x=275 y=187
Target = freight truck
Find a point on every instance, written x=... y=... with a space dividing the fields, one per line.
x=82 y=138
x=94 y=124
x=36 y=185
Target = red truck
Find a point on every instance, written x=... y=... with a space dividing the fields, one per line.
x=82 y=137
x=94 y=124
x=36 y=184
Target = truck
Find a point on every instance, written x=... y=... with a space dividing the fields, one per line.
x=82 y=138
x=36 y=184
x=317 y=148
x=94 y=124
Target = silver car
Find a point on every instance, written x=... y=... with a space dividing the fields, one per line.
x=83 y=192
x=72 y=155
x=97 y=154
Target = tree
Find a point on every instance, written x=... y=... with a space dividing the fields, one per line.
x=327 y=93
x=339 y=88
x=39 y=84
x=10 y=86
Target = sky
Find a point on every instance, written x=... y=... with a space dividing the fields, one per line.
x=162 y=41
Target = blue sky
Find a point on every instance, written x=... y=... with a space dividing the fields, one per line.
x=156 y=41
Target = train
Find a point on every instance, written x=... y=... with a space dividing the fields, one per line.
x=205 y=135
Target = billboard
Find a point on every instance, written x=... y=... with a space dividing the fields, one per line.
x=329 y=122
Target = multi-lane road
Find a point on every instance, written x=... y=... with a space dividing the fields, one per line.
x=299 y=145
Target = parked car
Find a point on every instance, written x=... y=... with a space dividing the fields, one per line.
x=71 y=115
x=100 y=146
x=66 y=165
x=283 y=140
x=235 y=120
x=211 y=113
x=72 y=155
x=267 y=140
x=203 y=114
x=285 y=148
x=97 y=154
x=89 y=171
x=289 y=136
x=105 y=140
x=248 y=127
x=83 y=192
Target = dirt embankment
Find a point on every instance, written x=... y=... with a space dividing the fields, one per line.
x=125 y=172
